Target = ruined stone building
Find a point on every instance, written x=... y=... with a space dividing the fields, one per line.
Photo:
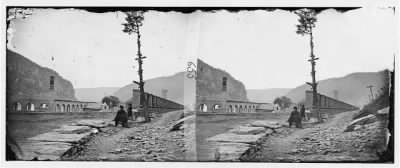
x=218 y=91
x=32 y=88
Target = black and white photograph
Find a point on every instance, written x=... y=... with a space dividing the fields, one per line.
x=283 y=85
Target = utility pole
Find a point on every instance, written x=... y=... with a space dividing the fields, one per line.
x=370 y=89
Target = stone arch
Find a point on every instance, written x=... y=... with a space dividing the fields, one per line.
x=230 y=109
x=203 y=107
x=245 y=109
x=73 y=108
x=63 y=108
x=240 y=109
x=17 y=106
x=44 y=105
x=235 y=110
x=58 y=108
x=68 y=108
x=30 y=107
x=216 y=106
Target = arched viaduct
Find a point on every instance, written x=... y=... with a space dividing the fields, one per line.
x=37 y=105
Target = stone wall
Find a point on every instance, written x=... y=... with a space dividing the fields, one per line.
x=327 y=103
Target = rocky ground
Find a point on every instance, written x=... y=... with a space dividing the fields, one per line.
x=325 y=142
x=141 y=142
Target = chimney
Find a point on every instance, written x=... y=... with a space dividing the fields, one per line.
x=164 y=93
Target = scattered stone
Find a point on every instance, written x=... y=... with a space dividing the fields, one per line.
x=360 y=121
x=42 y=150
x=178 y=125
x=267 y=124
x=230 y=137
x=92 y=123
x=247 y=130
x=383 y=111
x=58 y=137
x=231 y=151
x=103 y=158
x=68 y=129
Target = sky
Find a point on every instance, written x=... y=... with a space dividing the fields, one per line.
x=259 y=48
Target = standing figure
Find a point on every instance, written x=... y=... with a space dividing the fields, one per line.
x=295 y=117
x=121 y=116
x=303 y=113
x=130 y=112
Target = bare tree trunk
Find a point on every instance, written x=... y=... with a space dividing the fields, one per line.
x=315 y=102
x=143 y=100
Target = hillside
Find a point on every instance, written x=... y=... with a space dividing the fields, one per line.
x=94 y=94
x=266 y=95
x=351 y=88
x=209 y=84
x=28 y=80
x=174 y=84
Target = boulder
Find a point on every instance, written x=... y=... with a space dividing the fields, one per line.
x=266 y=124
x=70 y=129
x=247 y=130
x=230 y=151
x=59 y=137
x=360 y=121
x=92 y=123
x=42 y=150
x=178 y=124
x=235 y=138
x=383 y=111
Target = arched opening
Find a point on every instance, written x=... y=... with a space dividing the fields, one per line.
x=68 y=108
x=235 y=110
x=63 y=108
x=245 y=109
x=58 y=108
x=73 y=108
x=230 y=108
x=30 y=107
x=44 y=105
x=217 y=106
x=240 y=109
x=203 y=107
x=17 y=106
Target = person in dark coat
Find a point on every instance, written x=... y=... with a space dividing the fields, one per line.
x=295 y=117
x=303 y=113
x=130 y=115
x=121 y=116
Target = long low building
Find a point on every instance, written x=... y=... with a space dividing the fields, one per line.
x=232 y=106
x=55 y=105
x=153 y=101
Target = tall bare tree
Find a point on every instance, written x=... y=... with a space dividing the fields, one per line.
x=134 y=21
x=305 y=27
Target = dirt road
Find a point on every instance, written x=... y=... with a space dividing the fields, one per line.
x=141 y=142
x=322 y=143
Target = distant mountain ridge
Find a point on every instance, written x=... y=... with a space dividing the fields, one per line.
x=351 y=88
x=266 y=95
x=174 y=85
x=94 y=94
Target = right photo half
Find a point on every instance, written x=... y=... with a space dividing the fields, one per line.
x=290 y=85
